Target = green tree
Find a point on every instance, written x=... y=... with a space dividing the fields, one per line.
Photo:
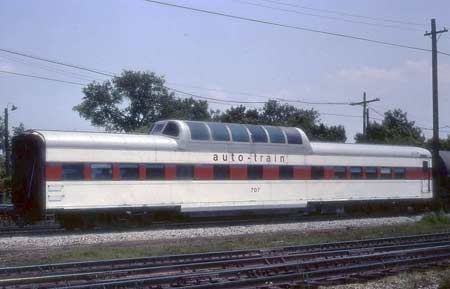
x=394 y=129
x=18 y=129
x=2 y=134
x=239 y=114
x=135 y=100
x=444 y=144
x=275 y=113
x=334 y=133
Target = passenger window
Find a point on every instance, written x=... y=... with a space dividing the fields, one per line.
x=101 y=171
x=286 y=172
x=257 y=133
x=255 y=172
x=400 y=173
x=129 y=171
x=425 y=167
x=275 y=134
x=221 y=172
x=386 y=173
x=219 y=131
x=198 y=130
x=155 y=172
x=171 y=129
x=185 y=172
x=340 y=172
x=293 y=135
x=73 y=172
x=238 y=132
x=317 y=173
x=356 y=172
x=371 y=173
x=157 y=128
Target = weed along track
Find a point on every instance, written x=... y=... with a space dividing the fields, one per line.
x=306 y=265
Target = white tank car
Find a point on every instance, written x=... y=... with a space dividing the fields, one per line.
x=193 y=167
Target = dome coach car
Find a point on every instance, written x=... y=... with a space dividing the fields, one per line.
x=191 y=167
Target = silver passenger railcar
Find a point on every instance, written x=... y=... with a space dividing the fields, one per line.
x=191 y=167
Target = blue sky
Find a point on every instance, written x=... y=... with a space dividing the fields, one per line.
x=194 y=50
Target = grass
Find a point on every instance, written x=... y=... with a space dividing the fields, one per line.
x=430 y=224
x=436 y=218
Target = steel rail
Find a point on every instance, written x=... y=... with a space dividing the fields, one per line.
x=224 y=255
x=329 y=276
x=210 y=265
x=337 y=255
x=221 y=278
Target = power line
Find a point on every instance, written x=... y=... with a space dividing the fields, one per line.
x=264 y=96
x=218 y=100
x=16 y=59
x=167 y=87
x=342 y=13
x=374 y=110
x=212 y=100
x=328 y=17
x=41 y=77
x=290 y=26
x=215 y=99
x=419 y=126
x=57 y=62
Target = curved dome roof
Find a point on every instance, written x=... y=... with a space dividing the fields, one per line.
x=320 y=148
x=59 y=139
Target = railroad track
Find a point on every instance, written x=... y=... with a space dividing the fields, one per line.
x=11 y=231
x=54 y=228
x=282 y=267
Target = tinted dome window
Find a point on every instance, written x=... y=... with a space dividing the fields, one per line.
x=238 y=132
x=199 y=131
x=257 y=133
x=275 y=134
x=293 y=135
x=171 y=129
x=157 y=128
x=219 y=131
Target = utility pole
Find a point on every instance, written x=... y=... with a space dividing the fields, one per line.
x=6 y=149
x=6 y=143
x=365 y=112
x=367 y=121
x=435 y=142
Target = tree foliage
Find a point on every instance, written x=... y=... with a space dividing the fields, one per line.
x=444 y=144
x=135 y=100
x=394 y=129
x=275 y=113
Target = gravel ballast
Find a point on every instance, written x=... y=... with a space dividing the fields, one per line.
x=92 y=238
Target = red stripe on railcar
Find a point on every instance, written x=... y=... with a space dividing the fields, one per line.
x=414 y=173
x=87 y=172
x=142 y=172
x=329 y=173
x=116 y=172
x=53 y=172
x=302 y=173
x=271 y=172
x=238 y=172
x=203 y=172
x=171 y=172
x=348 y=173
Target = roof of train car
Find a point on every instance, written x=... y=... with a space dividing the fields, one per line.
x=323 y=148
x=102 y=140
